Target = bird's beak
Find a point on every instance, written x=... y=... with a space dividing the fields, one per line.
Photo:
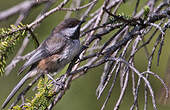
x=81 y=22
x=79 y=25
x=77 y=32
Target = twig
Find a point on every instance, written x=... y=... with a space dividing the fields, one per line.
x=22 y=8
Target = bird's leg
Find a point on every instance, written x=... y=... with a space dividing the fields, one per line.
x=50 y=77
x=43 y=75
x=76 y=58
x=55 y=82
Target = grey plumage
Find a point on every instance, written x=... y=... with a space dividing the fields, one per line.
x=53 y=54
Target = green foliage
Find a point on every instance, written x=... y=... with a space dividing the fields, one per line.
x=146 y=12
x=8 y=39
x=42 y=99
x=17 y=107
x=123 y=15
x=118 y=18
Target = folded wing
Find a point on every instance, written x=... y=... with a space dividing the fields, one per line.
x=52 y=45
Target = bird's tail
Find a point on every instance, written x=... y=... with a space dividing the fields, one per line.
x=16 y=88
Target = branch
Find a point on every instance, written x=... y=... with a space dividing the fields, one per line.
x=22 y=8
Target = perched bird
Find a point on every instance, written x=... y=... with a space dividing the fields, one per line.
x=53 y=53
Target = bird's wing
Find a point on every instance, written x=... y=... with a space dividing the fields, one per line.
x=52 y=45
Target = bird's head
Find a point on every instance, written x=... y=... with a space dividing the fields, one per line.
x=69 y=27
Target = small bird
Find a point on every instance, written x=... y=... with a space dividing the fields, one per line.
x=53 y=53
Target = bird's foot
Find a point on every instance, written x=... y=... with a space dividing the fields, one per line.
x=61 y=85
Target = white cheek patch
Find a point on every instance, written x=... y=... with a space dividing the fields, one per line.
x=69 y=31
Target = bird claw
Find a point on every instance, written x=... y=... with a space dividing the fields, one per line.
x=61 y=85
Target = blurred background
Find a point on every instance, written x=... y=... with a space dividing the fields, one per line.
x=82 y=93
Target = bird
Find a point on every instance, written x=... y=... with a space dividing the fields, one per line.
x=53 y=54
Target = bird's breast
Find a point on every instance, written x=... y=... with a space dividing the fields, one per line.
x=70 y=51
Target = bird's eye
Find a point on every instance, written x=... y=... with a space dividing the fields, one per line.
x=70 y=25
